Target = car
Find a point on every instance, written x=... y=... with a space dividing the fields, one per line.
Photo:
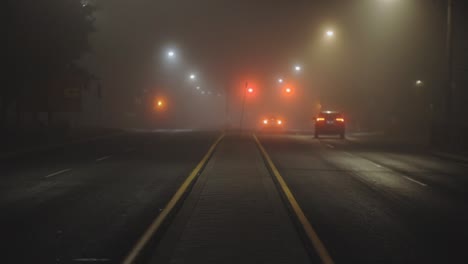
x=272 y=124
x=330 y=123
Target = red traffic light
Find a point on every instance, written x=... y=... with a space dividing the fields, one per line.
x=250 y=90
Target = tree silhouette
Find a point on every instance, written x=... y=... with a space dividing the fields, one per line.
x=44 y=39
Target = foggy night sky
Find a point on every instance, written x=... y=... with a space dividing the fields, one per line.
x=378 y=45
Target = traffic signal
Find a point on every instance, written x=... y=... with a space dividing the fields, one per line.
x=250 y=92
x=159 y=104
x=288 y=90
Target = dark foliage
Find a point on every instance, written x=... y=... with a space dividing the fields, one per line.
x=44 y=39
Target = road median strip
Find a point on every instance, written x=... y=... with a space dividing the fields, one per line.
x=176 y=198
x=306 y=225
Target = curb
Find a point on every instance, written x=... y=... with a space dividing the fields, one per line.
x=450 y=156
x=55 y=146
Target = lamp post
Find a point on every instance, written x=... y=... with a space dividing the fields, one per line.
x=243 y=103
x=449 y=74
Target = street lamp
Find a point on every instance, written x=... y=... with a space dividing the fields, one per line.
x=192 y=76
x=297 y=68
x=449 y=69
x=330 y=33
x=247 y=89
x=419 y=83
x=198 y=87
x=280 y=80
x=170 y=54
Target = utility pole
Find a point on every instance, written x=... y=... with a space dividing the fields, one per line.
x=449 y=69
x=227 y=95
x=243 y=105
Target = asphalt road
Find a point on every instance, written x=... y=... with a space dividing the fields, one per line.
x=91 y=201
x=373 y=202
x=370 y=202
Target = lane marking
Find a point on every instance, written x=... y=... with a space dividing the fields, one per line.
x=57 y=173
x=309 y=230
x=330 y=146
x=103 y=158
x=156 y=224
x=91 y=259
x=373 y=163
x=390 y=169
x=415 y=181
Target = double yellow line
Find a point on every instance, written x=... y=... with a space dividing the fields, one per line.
x=156 y=224
x=176 y=198
x=308 y=229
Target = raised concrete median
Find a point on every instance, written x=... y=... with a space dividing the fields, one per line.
x=234 y=214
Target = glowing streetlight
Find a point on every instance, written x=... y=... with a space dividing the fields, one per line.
x=170 y=54
x=419 y=83
x=297 y=68
x=280 y=80
x=288 y=90
x=250 y=90
x=198 y=87
x=192 y=76
x=330 y=33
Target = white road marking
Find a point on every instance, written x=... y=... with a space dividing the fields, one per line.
x=415 y=181
x=91 y=259
x=404 y=176
x=375 y=164
x=57 y=173
x=330 y=146
x=102 y=158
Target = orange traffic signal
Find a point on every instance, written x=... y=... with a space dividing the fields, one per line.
x=288 y=90
x=159 y=104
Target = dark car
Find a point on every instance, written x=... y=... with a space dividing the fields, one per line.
x=330 y=123
x=272 y=124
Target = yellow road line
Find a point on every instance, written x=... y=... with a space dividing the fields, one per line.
x=309 y=230
x=141 y=243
